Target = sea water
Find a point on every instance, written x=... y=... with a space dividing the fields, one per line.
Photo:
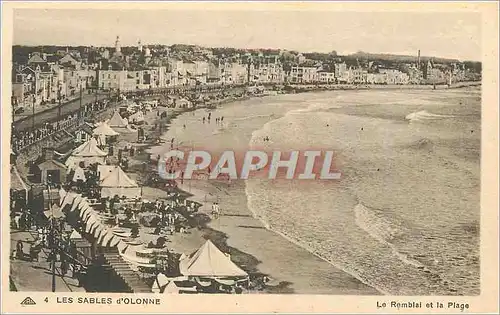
x=404 y=217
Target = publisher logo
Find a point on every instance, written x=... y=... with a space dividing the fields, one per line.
x=28 y=301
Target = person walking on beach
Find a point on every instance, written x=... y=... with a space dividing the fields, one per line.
x=203 y=119
x=217 y=209
x=19 y=250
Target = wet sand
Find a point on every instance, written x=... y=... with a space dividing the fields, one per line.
x=257 y=250
x=292 y=268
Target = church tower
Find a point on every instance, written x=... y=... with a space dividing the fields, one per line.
x=118 y=47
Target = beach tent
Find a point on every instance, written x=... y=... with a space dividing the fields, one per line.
x=104 y=170
x=209 y=261
x=160 y=282
x=17 y=184
x=183 y=103
x=171 y=288
x=75 y=235
x=87 y=152
x=105 y=130
x=118 y=183
x=102 y=131
x=138 y=117
x=89 y=149
x=79 y=175
x=117 y=121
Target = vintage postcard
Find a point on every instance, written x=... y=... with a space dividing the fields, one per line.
x=195 y=157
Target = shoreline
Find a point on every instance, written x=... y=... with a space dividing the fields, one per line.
x=232 y=231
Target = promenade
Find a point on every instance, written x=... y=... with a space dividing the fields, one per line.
x=37 y=275
x=45 y=114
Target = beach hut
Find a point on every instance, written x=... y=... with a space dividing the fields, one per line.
x=118 y=183
x=83 y=133
x=210 y=262
x=51 y=169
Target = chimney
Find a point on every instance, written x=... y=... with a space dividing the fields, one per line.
x=48 y=154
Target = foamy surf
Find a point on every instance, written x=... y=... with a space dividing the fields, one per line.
x=253 y=117
x=381 y=229
x=309 y=249
x=425 y=115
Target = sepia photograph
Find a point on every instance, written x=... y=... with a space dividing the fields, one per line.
x=238 y=151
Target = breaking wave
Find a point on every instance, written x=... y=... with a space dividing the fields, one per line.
x=382 y=229
x=425 y=115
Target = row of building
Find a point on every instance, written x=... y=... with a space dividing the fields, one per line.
x=48 y=78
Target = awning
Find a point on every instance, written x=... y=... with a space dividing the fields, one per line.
x=76 y=202
x=114 y=241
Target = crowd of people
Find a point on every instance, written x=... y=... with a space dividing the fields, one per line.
x=23 y=139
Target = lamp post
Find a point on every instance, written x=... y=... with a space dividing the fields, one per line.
x=81 y=95
x=33 y=116
x=59 y=98
x=52 y=236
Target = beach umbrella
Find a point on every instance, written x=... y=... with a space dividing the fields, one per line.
x=54 y=212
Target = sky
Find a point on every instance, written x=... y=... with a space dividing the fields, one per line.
x=440 y=34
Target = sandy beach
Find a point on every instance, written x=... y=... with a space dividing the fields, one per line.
x=359 y=210
x=300 y=236
x=252 y=247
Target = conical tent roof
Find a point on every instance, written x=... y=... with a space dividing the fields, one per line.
x=79 y=175
x=104 y=171
x=104 y=130
x=16 y=182
x=75 y=235
x=116 y=120
x=209 y=261
x=89 y=149
x=171 y=288
x=118 y=178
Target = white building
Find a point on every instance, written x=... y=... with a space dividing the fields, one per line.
x=326 y=77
